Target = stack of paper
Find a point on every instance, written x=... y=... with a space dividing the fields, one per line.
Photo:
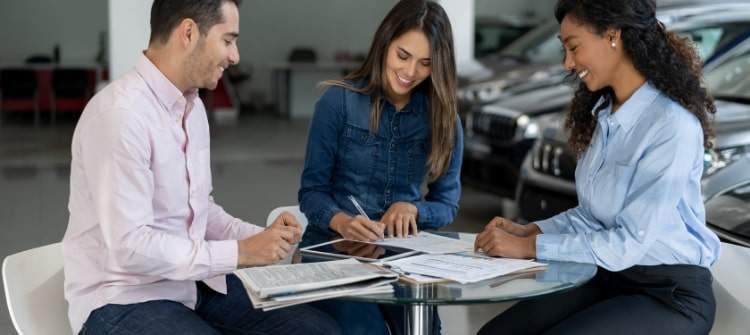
x=278 y=286
x=429 y=243
x=463 y=268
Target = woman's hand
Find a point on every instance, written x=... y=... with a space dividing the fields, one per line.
x=513 y=228
x=400 y=218
x=357 y=228
x=495 y=241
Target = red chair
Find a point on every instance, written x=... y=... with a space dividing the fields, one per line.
x=18 y=92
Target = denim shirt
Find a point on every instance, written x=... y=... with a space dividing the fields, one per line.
x=639 y=191
x=344 y=158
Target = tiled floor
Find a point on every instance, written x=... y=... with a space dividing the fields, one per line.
x=256 y=167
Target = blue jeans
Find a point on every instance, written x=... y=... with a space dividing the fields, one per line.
x=360 y=318
x=215 y=313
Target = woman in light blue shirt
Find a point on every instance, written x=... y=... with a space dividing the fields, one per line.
x=640 y=122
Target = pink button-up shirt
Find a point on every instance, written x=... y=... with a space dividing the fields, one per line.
x=143 y=225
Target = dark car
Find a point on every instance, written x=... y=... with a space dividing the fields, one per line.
x=728 y=211
x=499 y=135
x=547 y=182
x=492 y=34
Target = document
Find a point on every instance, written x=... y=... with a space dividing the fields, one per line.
x=462 y=268
x=286 y=279
x=377 y=286
x=428 y=243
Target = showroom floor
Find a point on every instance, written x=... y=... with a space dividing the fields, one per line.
x=256 y=165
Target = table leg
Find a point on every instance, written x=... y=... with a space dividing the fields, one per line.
x=419 y=319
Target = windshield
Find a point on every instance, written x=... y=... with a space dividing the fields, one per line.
x=539 y=46
x=731 y=77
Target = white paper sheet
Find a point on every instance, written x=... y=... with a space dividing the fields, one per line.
x=461 y=268
x=428 y=243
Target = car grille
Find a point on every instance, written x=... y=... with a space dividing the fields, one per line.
x=554 y=158
x=496 y=127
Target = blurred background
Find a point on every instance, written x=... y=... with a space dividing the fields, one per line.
x=513 y=94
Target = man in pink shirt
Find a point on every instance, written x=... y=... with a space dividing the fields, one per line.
x=147 y=251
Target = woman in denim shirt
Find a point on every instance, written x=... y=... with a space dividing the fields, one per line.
x=379 y=135
x=640 y=122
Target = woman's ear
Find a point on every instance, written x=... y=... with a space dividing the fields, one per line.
x=613 y=37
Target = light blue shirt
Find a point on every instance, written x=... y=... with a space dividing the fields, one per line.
x=639 y=191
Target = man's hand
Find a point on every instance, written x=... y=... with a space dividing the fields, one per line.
x=357 y=228
x=287 y=221
x=400 y=218
x=513 y=228
x=267 y=247
x=497 y=242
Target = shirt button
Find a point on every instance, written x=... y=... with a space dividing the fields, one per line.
x=641 y=232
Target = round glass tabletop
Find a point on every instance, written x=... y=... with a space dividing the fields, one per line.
x=556 y=277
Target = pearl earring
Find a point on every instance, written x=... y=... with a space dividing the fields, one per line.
x=613 y=45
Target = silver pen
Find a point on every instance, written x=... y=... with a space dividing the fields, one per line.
x=359 y=208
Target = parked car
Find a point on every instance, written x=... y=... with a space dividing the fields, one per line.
x=499 y=135
x=728 y=205
x=492 y=33
x=547 y=182
x=535 y=56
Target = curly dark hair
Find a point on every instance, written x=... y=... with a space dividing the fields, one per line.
x=668 y=61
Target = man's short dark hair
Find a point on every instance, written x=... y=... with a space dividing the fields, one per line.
x=166 y=15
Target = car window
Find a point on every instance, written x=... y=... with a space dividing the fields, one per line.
x=548 y=52
x=490 y=38
x=731 y=77
x=710 y=39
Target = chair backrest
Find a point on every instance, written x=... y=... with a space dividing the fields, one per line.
x=294 y=210
x=18 y=83
x=33 y=283
x=732 y=293
x=71 y=83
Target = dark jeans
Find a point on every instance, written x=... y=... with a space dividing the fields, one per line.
x=361 y=318
x=663 y=299
x=215 y=313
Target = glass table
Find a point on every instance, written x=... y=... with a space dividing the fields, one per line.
x=422 y=299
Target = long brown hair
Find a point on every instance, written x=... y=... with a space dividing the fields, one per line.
x=668 y=61
x=431 y=19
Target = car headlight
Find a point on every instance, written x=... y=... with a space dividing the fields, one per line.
x=531 y=127
x=715 y=160
x=482 y=93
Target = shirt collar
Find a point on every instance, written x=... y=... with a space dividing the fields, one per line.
x=416 y=101
x=166 y=92
x=632 y=109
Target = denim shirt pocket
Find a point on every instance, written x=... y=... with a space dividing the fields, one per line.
x=361 y=150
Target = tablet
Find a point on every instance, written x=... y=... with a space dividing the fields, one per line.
x=363 y=251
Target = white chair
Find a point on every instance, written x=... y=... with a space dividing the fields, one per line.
x=294 y=210
x=33 y=283
x=732 y=293
x=301 y=219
